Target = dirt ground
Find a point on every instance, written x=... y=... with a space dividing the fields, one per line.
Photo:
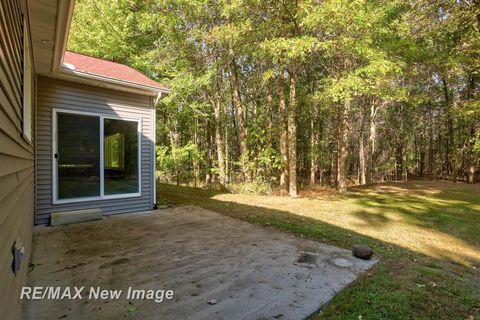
x=216 y=266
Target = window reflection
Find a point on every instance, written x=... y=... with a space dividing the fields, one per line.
x=78 y=156
x=120 y=157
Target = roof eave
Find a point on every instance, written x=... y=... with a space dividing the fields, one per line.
x=64 y=21
x=117 y=82
x=62 y=30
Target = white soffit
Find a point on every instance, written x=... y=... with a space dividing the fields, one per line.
x=49 y=25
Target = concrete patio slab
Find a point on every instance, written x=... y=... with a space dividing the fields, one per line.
x=217 y=267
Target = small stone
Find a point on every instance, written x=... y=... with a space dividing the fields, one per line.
x=341 y=262
x=212 y=301
x=362 y=251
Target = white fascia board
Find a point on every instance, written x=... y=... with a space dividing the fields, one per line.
x=62 y=29
x=115 y=81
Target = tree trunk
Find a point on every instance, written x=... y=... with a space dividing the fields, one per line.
x=342 y=146
x=430 y=151
x=421 y=164
x=372 y=139
x=283 y=132
x=474 y=160
x=240 y=116
x=174 y=142
x=208 y=155
x=269 y=120
x=292 y=135
x=361 y=166
x=404 y=166
x=361 y=151
x=333 y=170
x=227 y=152
x=218 y=141
x=471 y=174
x=450 y=142
x=398 y=162
x=313 y=146
x=196 y=164
x=451 y=129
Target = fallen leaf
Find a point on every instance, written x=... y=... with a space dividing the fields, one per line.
x=420 y=285
x=132 y=309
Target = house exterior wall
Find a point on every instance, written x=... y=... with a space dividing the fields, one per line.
x=16 y=160
x=53 y=93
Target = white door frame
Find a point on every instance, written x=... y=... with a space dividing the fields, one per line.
x=101 y=118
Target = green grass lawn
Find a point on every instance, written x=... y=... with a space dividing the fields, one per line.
x=426 y=235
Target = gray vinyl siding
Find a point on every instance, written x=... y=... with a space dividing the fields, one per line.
x=53 y=93
x=16 y=161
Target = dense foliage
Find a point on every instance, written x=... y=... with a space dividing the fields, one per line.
x=281 y=94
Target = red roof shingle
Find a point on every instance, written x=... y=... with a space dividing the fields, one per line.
x=109 y=69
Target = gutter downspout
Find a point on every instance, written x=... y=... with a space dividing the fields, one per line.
x=154 y=139
x=159 y=96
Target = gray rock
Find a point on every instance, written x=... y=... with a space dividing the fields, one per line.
x=362 y=251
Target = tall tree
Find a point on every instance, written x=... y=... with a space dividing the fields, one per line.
x=283 y=131
x=292 y=132
x=285 y=86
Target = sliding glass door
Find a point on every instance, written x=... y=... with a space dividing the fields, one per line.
x=96 y=157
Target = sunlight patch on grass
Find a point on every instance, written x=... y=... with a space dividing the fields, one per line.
x=379 y=216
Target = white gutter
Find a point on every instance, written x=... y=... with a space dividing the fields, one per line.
x=154 y=160
x=154 y=139
x=97 y=77
x=159 y=96
x=62 y=29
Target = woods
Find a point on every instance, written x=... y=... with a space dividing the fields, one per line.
x=279 y=95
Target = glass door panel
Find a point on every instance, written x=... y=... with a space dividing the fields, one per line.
x=78 y=157
x=120 y=157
